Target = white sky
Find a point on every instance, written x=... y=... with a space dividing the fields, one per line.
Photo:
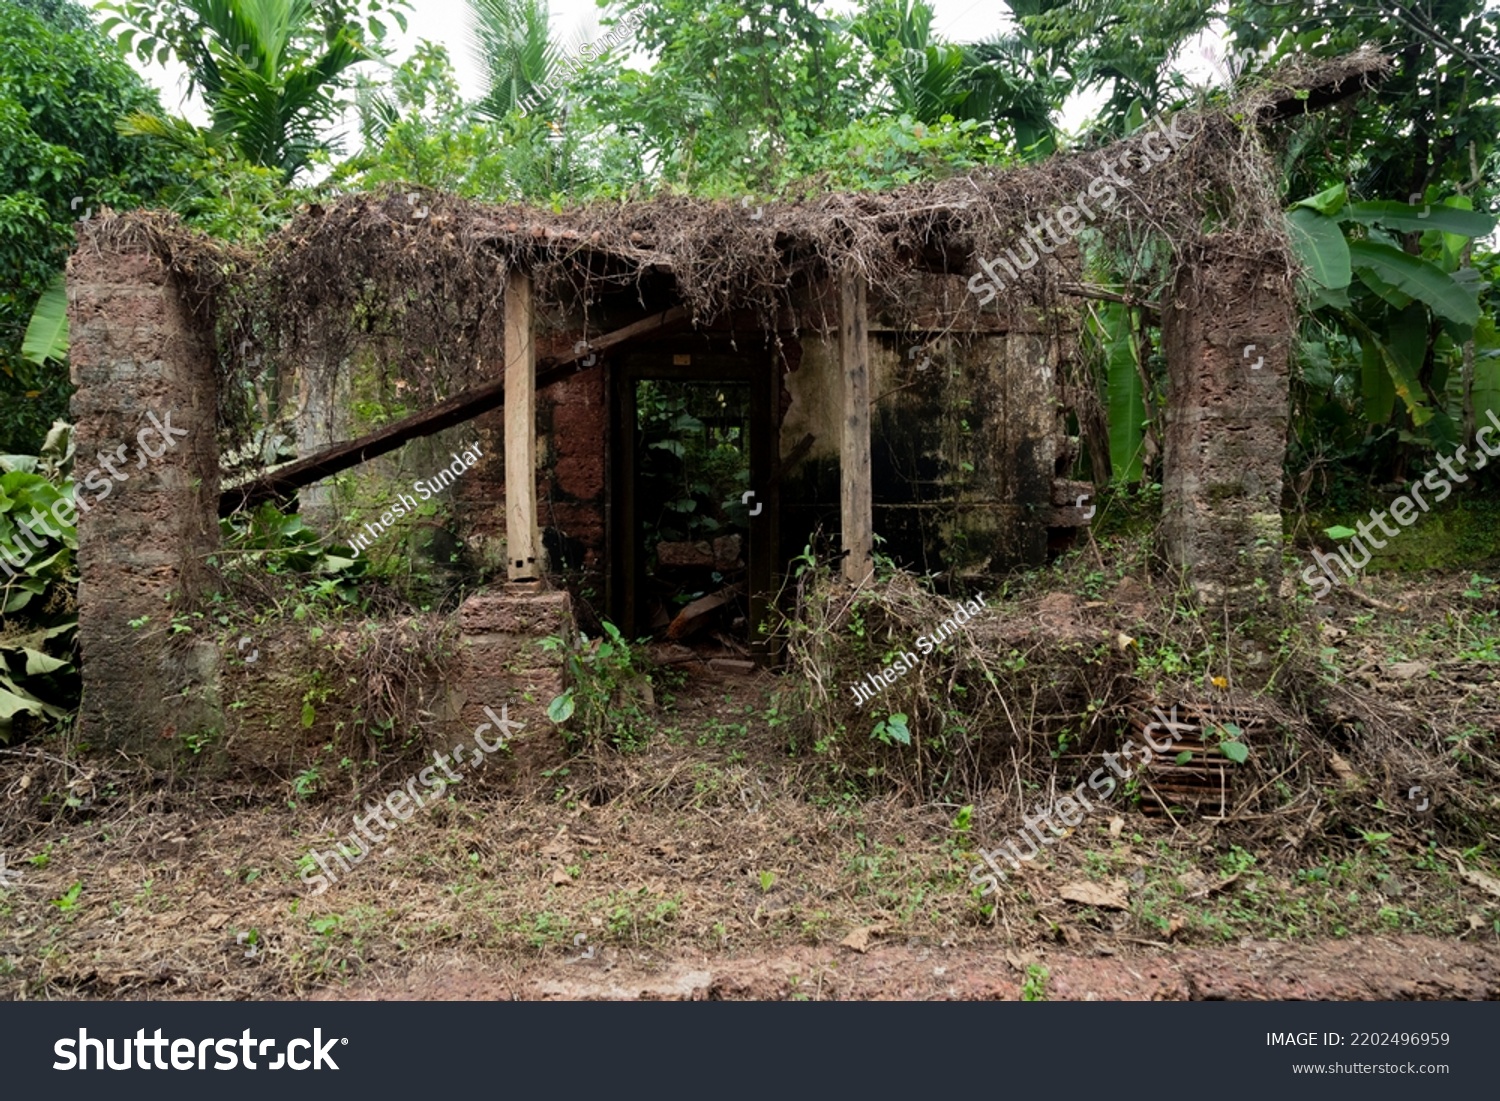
x=577 y=21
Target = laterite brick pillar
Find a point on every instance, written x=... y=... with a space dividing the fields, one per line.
x=136 y=355
x=1227 y=327
x=502 y=663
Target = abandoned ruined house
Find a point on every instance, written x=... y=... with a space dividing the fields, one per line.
x=669 y=401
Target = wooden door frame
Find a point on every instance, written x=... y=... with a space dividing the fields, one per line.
x=665 y=362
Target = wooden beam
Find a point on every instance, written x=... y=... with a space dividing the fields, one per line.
x=455 y=410
x=854 y=455
x=584 y=356
x=526 y=560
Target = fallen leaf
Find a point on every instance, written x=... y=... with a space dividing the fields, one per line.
x=1116 y=824
x=1174 y=927
x=1345 y=772
x=1408 y=670
x=1022 y=960
x=859 y=940
x=217 y=921
x=1192 y=880
x=1112 y=895
x=560 y=877
x=1483 y=880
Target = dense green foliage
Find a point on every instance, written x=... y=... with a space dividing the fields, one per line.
x=1417 y=320
x=269 y=70
x=38 y=582
x=61 y=89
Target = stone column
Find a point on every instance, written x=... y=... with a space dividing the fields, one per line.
x=1227 y=327
x=502 y=665
x=145 y=407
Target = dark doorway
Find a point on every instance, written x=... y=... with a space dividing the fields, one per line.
x=693 y=528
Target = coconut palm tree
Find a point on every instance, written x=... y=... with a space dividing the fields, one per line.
x=512 y=43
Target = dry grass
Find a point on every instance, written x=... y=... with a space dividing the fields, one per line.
x=731 y=834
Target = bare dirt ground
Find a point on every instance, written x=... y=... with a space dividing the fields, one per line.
x=1357 y=969
x=714 y=864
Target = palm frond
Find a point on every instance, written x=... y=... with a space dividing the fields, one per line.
x=511 y=40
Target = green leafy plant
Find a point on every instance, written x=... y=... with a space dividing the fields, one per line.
x=69 y=901
x=322 y=926
x=304 y=784
x=199 y=740
x=1230 y=745
x=892 y=729
x=38 y=585
x=1034 y=985
x=279 y=542
x=609 y=695
x=1406 y=315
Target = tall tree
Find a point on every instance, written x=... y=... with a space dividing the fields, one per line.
x=734 y=85
x=270 y=71
x=62 y=87
x=920 y=77
x=1124 y=48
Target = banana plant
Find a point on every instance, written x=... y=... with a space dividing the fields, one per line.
x=47 y=332
x=1112 y=332
x=1409 y=305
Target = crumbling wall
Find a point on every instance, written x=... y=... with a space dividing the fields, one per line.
x=573 y=438
x=1226 y=329
x=139 y=360
x=468 y=518
x=963 y=432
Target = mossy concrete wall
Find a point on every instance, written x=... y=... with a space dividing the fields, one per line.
x=964 y=436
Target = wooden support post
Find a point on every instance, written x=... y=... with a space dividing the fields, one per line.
x=854 y=455
x=526 y=559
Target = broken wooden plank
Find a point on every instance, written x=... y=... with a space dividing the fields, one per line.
x=855 y=503
x=526 y=560
x=696 y=615
x=462 y=407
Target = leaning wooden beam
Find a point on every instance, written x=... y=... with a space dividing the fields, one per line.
x=455 y=410
x=1080 y=290
x=585 y=355
x=855 y=509
x=526 y=560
